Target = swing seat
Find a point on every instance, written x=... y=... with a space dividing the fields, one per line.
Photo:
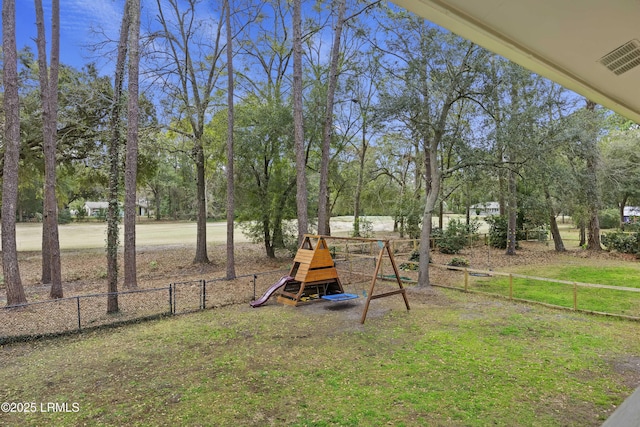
x=339 y=297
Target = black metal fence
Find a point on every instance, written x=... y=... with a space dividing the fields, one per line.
x=82 y=312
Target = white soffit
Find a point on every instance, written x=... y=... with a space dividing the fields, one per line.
x=567 y=41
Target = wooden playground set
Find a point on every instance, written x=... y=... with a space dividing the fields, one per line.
x=314 y=277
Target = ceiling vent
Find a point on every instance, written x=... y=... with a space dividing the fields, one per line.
x=622 y=59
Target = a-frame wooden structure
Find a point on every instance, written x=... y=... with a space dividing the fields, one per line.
x=384 y=248
x=314 y=273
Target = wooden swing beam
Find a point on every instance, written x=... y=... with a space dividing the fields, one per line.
x=384 y=245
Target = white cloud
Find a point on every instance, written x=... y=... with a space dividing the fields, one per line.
x=81 y=16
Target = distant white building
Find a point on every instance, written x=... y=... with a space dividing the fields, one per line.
x=486 y=209
x=631 y=214
x=94 y=208
x=142 y=207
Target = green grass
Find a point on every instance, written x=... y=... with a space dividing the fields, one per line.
x=592 y=299
x=454 y=359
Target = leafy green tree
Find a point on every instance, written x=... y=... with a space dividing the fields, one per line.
x=437 y=71
x=621 y=167
x=363 y=87
x=581 y=133
x=525 y=114
x=190 y=66
x=399 y=158
x=172 y=182
x=82 y=123
x=266 y=175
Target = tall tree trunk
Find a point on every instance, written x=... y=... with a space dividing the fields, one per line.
x=52 y=202
x=194 y=88
x=432 y=191
x=327 y=132
x=360 y=183
x=113 y=213
x=282 y=202
x=425 y=247
x=593 y=240
x=51 y=265
x=512 y=202
x=593 y=196
x=268 y=239
x=231 y=263
x=555 y=231
x=298 y=125
x=131 y=161
x=502 y=203
x=46 y=251
x=468 y=206
x=412 y=222
x=201 y=239
x=11 y=271
x=512 y=211
x=155 y=189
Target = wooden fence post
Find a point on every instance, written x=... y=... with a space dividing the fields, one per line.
x=510 y=286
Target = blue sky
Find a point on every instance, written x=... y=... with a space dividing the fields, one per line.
x=79 y=19
x=85 y=23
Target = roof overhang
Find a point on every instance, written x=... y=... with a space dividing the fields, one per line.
x=559 y=39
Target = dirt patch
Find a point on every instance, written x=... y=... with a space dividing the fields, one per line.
x=84 y=271
x=629 y=367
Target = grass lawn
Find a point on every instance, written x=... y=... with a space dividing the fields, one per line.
x=610 y=273
x=455 y=359
x=88 y=235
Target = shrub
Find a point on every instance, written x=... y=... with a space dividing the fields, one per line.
x=540 y=234
x=609 y=218
x=366 y=228
x=436 y=235
x=415 y=257
x=408 y=215
x=632 y=226
x=81 y=213
x=498 y=228
x=459 y=262
x=622 y=242
x=454 y=238
x=497 y=231
x=102 y=214
x=64 y=216
x=451 y=244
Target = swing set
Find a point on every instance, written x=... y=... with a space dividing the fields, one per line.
x=314 y=277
